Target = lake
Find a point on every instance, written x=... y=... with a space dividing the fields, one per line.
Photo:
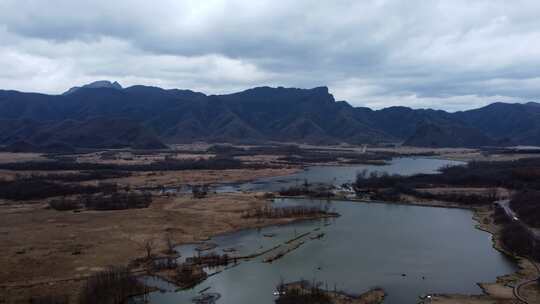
x=407 y=250
x=339 y=175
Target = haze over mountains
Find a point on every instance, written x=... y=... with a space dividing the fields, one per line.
x=105 y=115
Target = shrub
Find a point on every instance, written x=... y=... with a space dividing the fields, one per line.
x=27 y=189
x=302 y=294
x=112 y=286
x=105 y=201
x=62 y=299
x=527 y=205
x=517 y=239
x=64 y=204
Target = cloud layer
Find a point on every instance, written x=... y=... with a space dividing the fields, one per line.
x=444 y=54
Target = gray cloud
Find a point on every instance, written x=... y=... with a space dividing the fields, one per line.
x=443 y=54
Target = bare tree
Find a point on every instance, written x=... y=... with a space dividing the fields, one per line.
x=148 y=247
x=170 y=244
x=492 y=194
x=199 y=191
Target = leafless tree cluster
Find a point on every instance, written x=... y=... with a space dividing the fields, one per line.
x=518 y=239
x=188 y=275
x=302 y=293
x=170 y=245
x=527 y=205
x=211 y=260
x=112 y=286
x=148 y=247
x=164 y=263
x=199 y=191
x=117 y=200
x=287 y=212
x=49 y=300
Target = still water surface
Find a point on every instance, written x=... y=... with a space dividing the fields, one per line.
x=338 y=175
x=407 y=250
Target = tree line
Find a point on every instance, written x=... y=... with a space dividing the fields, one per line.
x=104 y=201
x=519 y=174
x=288 y=212
x=214 y=163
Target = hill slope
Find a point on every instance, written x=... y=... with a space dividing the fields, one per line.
x=104 y=114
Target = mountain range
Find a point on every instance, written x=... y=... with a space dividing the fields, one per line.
x=105 y=115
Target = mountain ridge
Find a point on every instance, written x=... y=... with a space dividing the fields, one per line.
x=253 y=115
x=95 y=85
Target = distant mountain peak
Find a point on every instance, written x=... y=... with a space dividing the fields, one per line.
x=96 y=85
x=140 y=116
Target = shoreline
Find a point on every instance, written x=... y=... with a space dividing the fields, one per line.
x=478 y=215
x=486 y=288
x=373 y=295
x=500 y=289
x=432 y=204
x=490 y=290
x=168 y=222
x=522 y=263
x=287 y=221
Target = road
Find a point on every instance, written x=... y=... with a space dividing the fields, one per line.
x=535 y=233
x=526 y=282
x=505 y=205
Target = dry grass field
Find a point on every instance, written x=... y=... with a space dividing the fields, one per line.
x=43 y=247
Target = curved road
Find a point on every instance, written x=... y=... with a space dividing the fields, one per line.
x=535 y=233
x=505 y=205
x=526 y=282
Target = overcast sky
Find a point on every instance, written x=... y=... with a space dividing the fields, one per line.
x=448 y=55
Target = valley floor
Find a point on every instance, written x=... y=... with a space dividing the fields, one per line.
x=49 y=252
